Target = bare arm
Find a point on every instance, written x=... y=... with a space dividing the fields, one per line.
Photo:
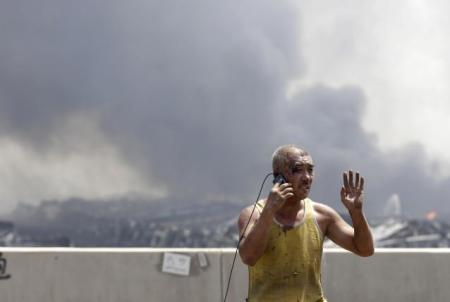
x=358 y=239
x=255 y=238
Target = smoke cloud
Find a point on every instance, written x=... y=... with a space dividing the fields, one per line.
x=179 y=99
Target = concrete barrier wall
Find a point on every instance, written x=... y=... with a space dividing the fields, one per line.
x=135 y=275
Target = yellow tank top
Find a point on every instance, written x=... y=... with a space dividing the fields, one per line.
x=290 y=268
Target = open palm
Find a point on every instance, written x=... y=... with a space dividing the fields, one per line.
x=352 y=192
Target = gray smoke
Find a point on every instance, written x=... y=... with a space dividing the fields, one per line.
x=328 y=122
x=192 y=95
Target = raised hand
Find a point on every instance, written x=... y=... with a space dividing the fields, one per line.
x=278 y=196
x=352 y=192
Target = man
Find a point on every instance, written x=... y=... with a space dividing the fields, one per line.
x=282 y=244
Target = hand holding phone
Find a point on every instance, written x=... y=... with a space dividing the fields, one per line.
x=281 y=191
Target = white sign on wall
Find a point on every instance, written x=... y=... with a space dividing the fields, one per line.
x=176 y=264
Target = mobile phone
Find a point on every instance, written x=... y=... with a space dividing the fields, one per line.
x=279 y=178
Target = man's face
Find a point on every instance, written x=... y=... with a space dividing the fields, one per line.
x=300 y=174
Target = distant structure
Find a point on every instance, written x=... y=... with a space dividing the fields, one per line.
x=120 y=223
x=394 y=230
x=393 y=207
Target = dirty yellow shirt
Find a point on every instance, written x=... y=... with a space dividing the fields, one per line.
x=290 y=268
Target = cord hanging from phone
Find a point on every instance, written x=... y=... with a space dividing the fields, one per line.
x=243 y=232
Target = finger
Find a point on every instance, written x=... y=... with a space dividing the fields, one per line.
x=285 y=185
x=362 y=184
x=350 y=179
x=287 y=190
x=342 y=193
x=345 y=177
x=357 y=178
x=287 y=195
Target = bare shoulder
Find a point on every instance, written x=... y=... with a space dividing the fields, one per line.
x=326 y=216
x=324 y=212
x=322 y=208
x=249 y=213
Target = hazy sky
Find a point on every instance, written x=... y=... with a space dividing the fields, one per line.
x=189 y=99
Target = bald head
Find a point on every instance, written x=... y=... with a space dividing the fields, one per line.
x=284 y=156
